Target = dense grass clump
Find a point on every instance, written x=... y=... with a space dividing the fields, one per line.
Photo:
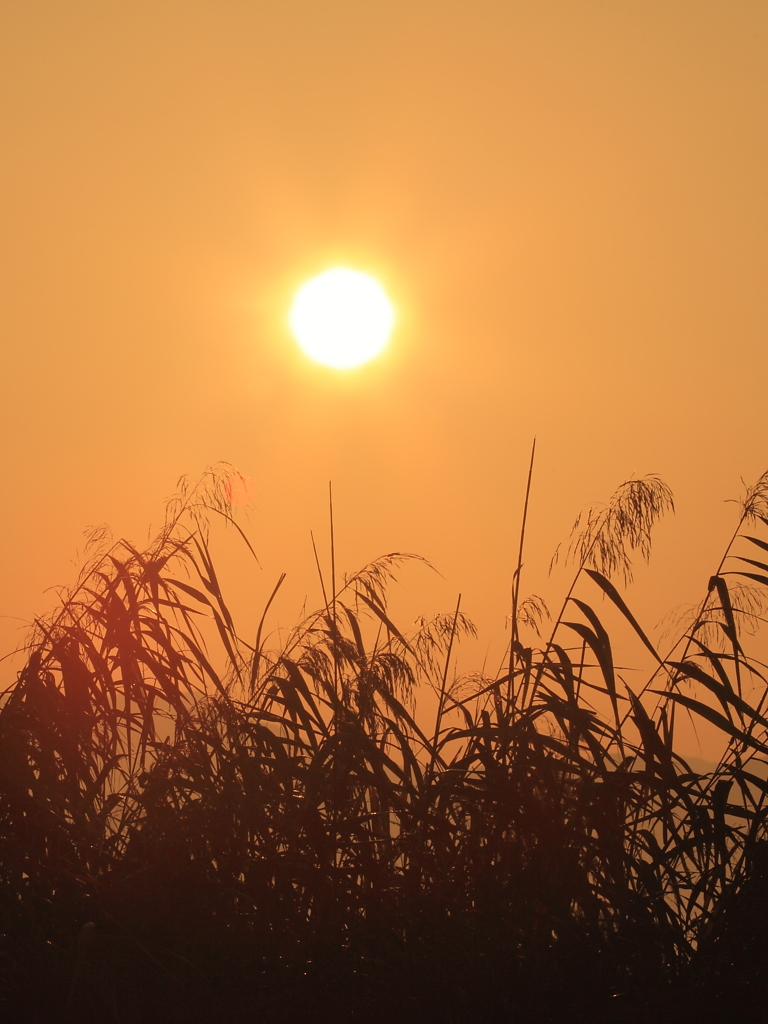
x=194 y=828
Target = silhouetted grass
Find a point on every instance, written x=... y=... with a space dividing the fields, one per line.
x=196 y=829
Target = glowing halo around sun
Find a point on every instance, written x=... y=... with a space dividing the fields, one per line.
x=342 y=318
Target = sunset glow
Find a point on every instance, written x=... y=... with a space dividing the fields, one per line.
x=384 y=556
x=342 y=318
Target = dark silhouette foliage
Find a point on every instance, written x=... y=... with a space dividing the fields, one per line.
x=193 y=828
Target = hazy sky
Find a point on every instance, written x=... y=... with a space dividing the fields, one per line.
x=566 y=200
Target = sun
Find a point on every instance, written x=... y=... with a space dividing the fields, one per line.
x=342 y=318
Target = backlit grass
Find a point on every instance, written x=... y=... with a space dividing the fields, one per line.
x=196 y=827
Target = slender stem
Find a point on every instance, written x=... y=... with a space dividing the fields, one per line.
x=443 y=684
x=333 y=592
x=319 y=570
x=558 y=620
x=513 y=632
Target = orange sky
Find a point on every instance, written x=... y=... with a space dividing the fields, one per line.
x=566 y=200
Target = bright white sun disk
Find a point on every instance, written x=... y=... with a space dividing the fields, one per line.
x=342 y=318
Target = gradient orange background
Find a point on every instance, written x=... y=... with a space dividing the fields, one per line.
x=565 y=200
